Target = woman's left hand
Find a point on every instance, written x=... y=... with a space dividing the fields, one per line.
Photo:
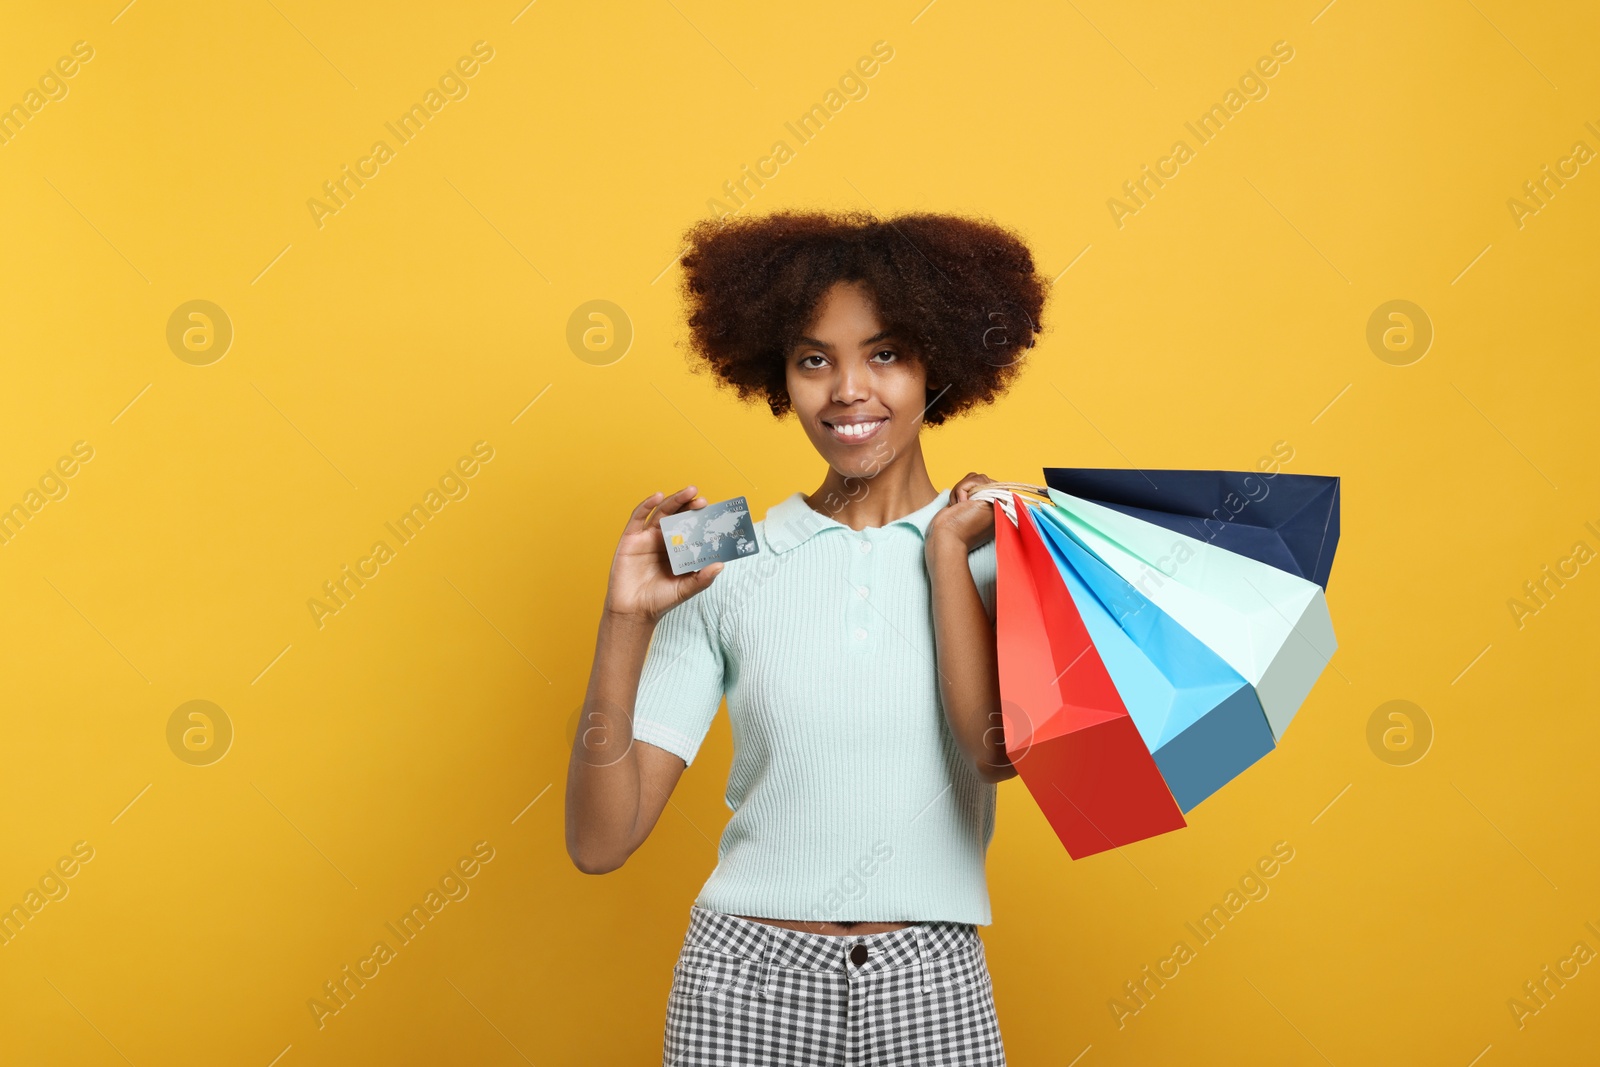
x=970 y=522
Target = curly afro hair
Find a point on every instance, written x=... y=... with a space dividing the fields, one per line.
x=963 y=293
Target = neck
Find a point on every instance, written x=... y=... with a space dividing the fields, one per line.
x=899 y=488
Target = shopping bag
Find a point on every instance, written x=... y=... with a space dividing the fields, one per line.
x=1067 y=731
x=1200 y=719
x=1269 y=625
x=1288 y=520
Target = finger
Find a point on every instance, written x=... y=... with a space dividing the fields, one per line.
x=690 y=584
x=636 y=520
x=972 y=481
x=671 y=505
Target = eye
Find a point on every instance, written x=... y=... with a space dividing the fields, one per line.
x=810 y=366
x=886 y=352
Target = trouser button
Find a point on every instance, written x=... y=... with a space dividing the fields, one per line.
x=859 y=955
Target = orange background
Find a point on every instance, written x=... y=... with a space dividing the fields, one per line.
x=430 y=312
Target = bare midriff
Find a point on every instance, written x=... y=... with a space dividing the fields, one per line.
x=833 y=929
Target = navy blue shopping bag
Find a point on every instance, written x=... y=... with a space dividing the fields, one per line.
x=1288 y=521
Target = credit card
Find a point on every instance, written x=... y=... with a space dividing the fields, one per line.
x=714 y=533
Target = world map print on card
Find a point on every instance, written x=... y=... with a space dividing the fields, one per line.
x=716 y=532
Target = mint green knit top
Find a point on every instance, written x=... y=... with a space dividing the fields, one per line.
x=851 y=799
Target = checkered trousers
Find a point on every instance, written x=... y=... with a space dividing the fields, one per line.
x=749 y=994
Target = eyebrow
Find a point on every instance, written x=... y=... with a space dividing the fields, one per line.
x=813 y=342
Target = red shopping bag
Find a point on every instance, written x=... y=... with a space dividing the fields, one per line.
x=1067 y=732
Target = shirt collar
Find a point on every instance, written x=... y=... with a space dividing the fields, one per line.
x=790 y=522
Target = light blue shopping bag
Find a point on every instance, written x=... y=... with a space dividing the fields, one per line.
x=1200 y=718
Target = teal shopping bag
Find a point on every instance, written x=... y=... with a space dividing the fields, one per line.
x=1201 y=720
x=1271 y=626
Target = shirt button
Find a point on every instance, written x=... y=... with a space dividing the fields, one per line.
x=866 y=546
x=861 y=635
x=861 y=591
x=859 y=955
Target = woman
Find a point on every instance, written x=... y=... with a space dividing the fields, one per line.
x=856 y=651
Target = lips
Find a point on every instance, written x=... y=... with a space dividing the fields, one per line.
x=856 y=432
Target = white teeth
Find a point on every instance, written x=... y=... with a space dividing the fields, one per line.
x=857 y=429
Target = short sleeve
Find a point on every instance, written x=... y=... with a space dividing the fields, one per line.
x=680 y=687
x=981 y=561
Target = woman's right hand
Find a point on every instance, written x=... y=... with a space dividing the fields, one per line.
x=642 y=584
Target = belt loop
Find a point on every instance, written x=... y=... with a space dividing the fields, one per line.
x=922 y=958
x=766 y=959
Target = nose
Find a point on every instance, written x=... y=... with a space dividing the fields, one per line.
x=851 y=383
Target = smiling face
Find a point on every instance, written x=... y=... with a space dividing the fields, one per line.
x=858 y=390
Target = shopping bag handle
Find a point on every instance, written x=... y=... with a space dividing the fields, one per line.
x=1000 y=493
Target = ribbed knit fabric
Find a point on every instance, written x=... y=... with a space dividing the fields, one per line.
x=851 y=800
